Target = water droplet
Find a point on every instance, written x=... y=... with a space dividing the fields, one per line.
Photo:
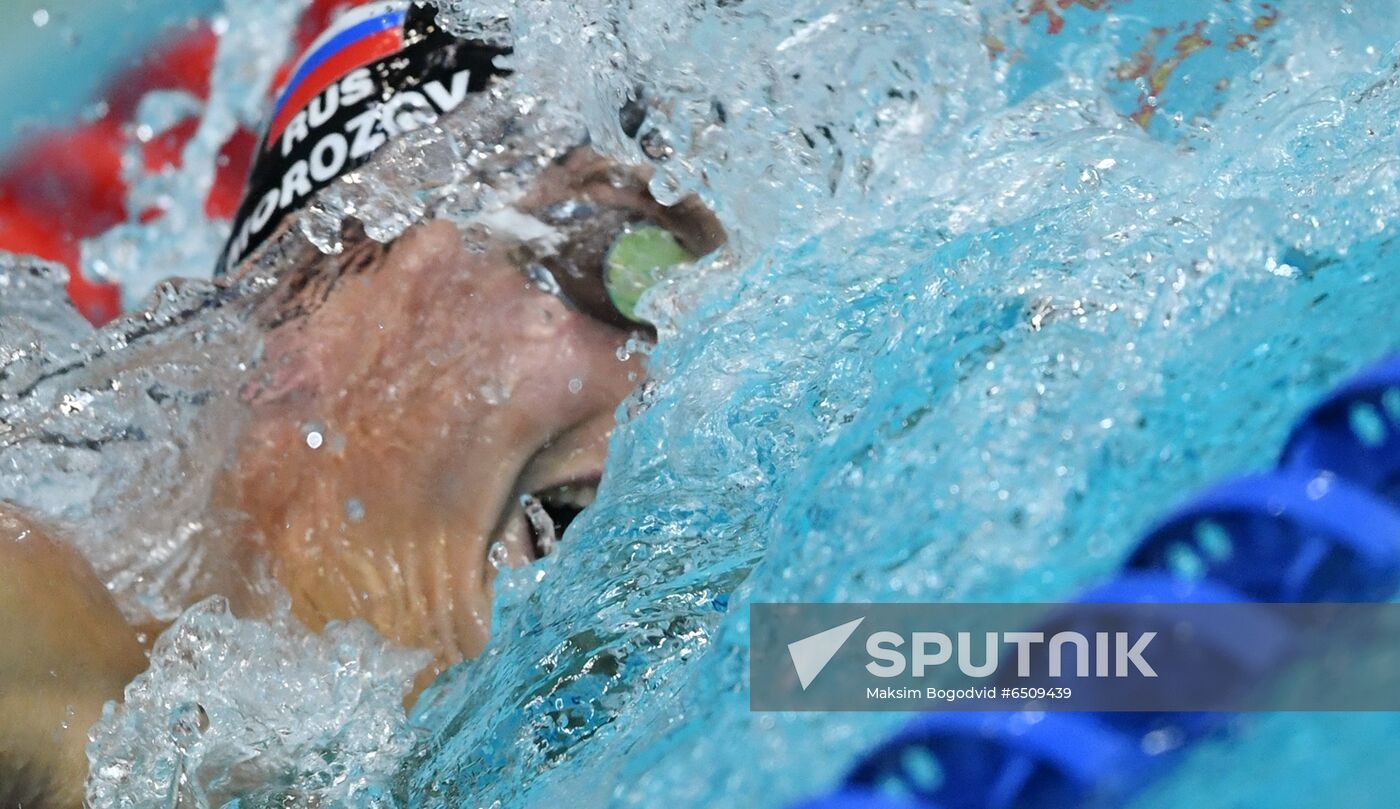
x=1161 y=741
x=188 y=721
x=1319 y=486
x=494 y=394
x=541 y=522
x=314 y=439
x=575 y=385
x=74 y=403
x=41 y=17
x=354 y=509
x=543 y=279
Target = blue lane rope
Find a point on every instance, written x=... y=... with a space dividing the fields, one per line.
x=1324 y=526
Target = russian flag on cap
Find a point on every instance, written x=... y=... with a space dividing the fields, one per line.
x=359 y=37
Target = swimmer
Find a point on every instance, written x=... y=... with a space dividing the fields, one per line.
x=424 y=411
x=65 y=650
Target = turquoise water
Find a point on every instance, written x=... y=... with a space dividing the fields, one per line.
x=983 y=318
x=58 y=53
x=990 y=329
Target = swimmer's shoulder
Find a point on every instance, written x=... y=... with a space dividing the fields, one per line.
x=64 y=651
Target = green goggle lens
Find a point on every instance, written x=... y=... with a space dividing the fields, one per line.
x=640 y=257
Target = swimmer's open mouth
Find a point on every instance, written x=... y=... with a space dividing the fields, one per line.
x=550 y=512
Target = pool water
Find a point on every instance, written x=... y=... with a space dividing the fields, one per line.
x=59 y=53
x=1007 y=280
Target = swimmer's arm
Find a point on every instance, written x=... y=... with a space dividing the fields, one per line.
x=64 y=651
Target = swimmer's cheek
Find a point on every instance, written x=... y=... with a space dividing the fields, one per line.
x=64 y=651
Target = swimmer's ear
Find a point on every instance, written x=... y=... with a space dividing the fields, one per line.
x=65 y=650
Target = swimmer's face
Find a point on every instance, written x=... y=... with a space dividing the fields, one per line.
x=401 y=416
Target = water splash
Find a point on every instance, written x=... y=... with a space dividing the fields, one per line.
x=995 y=297
x=170 y=229
x=264 y=712
x=97 y=428
x=991 y=316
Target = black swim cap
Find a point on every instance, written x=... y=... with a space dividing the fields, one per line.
x=380 y=70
